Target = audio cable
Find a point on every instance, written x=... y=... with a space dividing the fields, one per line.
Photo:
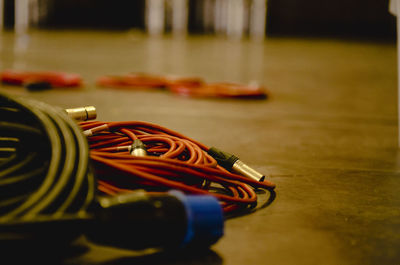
x=46 y=187
x=49 y=193
x=184 y=86
x=134 y=155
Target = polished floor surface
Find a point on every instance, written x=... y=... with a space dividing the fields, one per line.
x=327 y=135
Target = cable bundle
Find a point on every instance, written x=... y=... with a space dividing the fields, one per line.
x=173 y=161
x=44 y=174
x=49 y=195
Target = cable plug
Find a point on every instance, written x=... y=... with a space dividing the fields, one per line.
x=138 y=148
x=173 y=220
x=232 y=163
x=82 y=113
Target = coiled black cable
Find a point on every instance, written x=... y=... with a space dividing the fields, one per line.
x=46 y=186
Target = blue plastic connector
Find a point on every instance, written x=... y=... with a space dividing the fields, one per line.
x=205 y=220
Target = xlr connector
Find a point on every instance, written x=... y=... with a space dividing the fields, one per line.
x=232 y=163
x=138 y=148
x=82 y=113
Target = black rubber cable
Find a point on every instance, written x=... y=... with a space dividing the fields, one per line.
x=44 y=171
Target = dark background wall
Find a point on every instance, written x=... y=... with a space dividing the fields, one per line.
x=118 y=14
x=343 y=18
x=93 y=14
x=358 y=18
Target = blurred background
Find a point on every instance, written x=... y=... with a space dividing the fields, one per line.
x=235 y=18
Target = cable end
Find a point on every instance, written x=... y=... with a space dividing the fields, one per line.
x=232 y=163
x=138 y=148
x=82 y=113
x=242 y=169
x=224 y=159
x=205 y=219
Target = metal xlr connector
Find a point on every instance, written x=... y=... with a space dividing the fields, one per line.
x=232 y=163
x=242 y=169
x=82 y=113
x=138 y=148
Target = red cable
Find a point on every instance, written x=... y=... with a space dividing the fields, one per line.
x=185 y=86
x=174 y=161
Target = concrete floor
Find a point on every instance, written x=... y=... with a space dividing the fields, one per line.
x=327 y=136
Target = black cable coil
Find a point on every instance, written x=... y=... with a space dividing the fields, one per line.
x=46 y=186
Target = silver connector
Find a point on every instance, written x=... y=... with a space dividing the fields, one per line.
x=138 y=148
x=242 y=169
x=139 y=152
x=82 y=113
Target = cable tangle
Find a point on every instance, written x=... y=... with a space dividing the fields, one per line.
x=173 y=161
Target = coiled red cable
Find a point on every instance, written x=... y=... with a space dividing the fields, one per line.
x=174 y=161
